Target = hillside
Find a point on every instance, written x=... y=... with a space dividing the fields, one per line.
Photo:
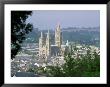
x=89 y=36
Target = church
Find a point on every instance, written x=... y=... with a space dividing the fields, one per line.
x=48 y=50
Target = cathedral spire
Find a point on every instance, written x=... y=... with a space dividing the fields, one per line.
x=58 y=27
x=48 y=34
x=67 y=43
x=48 y=43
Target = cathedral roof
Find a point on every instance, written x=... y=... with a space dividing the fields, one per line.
x=55 y=50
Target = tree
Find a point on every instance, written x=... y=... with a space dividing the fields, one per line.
x=87 y=65
x=19 y=29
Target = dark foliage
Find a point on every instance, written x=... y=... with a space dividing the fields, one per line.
x=86 y=66
x=19 y=29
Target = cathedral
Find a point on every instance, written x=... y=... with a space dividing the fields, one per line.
x=48 y=50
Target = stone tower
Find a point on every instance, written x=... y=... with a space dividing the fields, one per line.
x=40 y=44
x=48 y=44
x=58 y=38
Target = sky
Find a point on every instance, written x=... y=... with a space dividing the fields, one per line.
x=49 y=19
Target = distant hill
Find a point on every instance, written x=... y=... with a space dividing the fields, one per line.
x=82 y=35
x=32 y=36
x=81 y=28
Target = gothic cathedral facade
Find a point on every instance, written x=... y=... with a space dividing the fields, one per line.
x=45 y=47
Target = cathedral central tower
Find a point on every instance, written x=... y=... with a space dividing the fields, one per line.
x=58 y=36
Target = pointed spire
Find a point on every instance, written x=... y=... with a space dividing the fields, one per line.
x=48 y=34
x=67 y=44
x=58 y=26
